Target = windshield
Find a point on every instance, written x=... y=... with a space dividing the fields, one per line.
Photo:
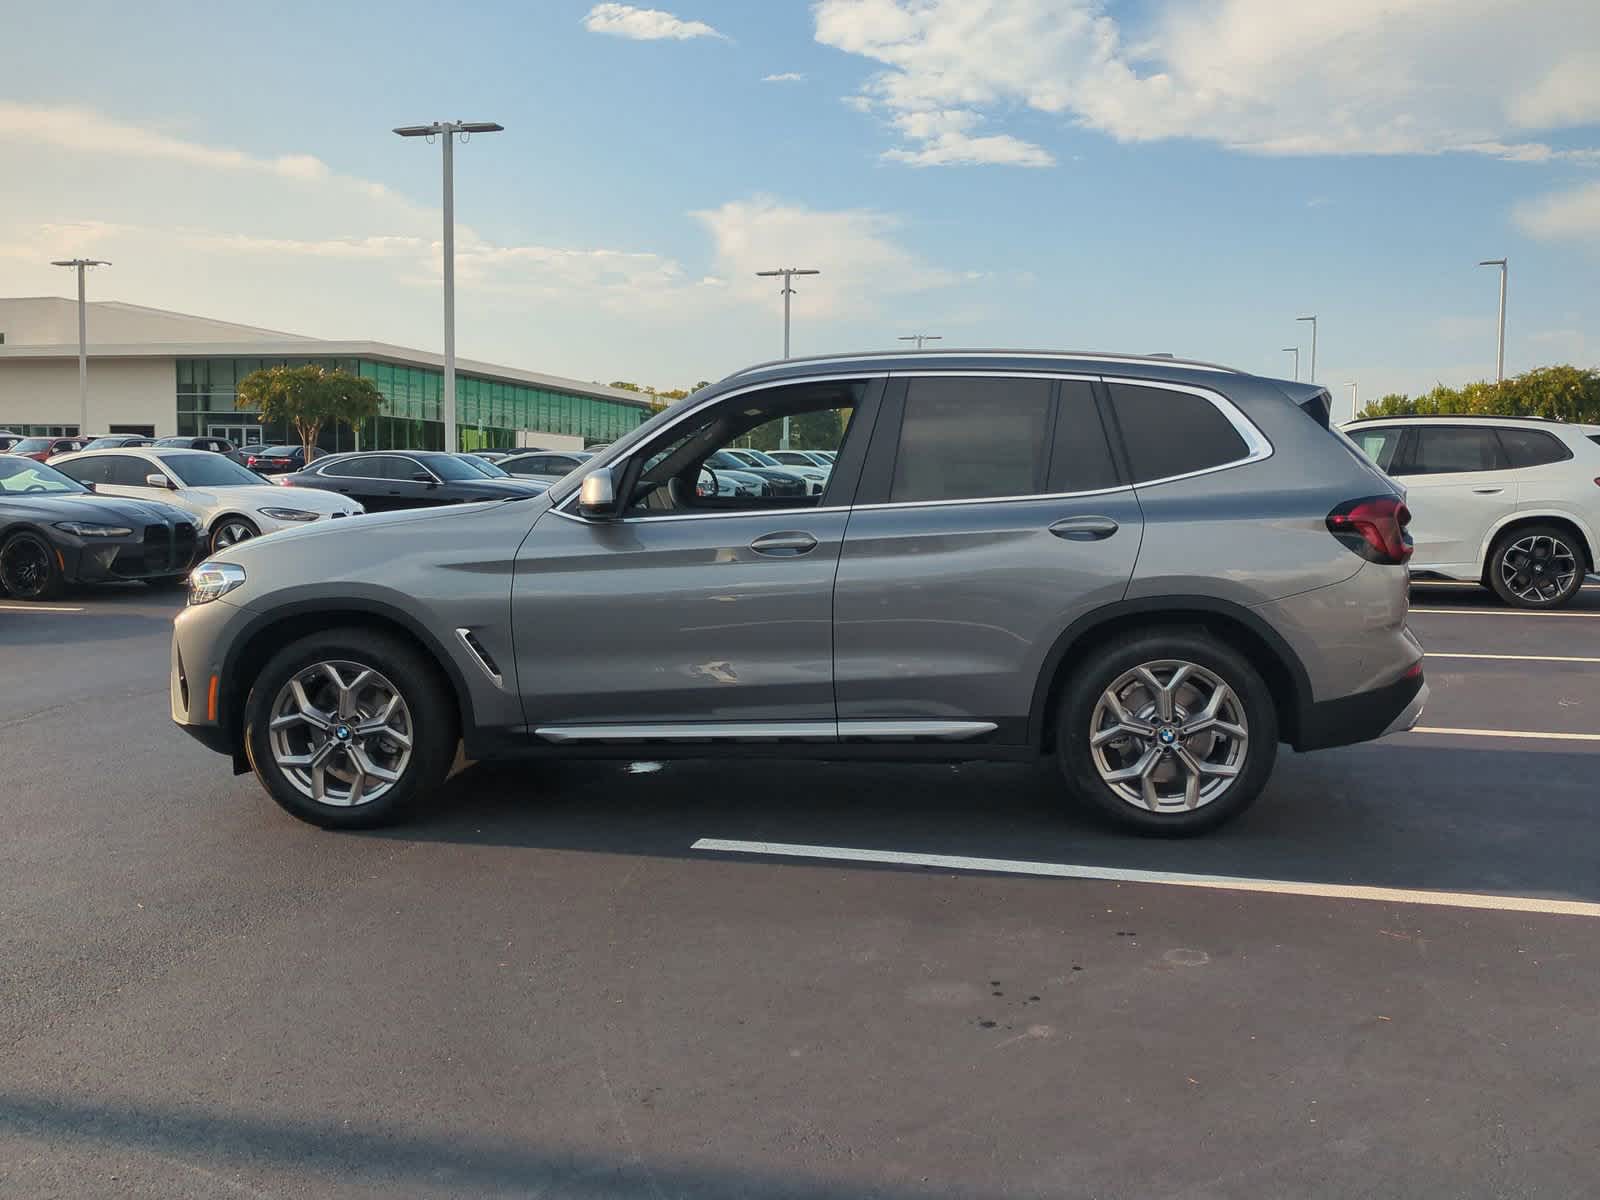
x=110 y=443
x=766 y=460
x=33 y=445
x=204 y=469
x=25 y=475
x=484 y=467
x=452 y=469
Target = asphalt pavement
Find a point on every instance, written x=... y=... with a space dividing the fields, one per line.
x=549 y=986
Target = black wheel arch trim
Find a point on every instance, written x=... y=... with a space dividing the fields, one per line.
x=1173 y=609
x=228 y=716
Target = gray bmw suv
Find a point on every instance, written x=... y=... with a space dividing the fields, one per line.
x=1149 y=572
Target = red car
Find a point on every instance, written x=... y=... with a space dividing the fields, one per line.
x=275 y=460
x=41 y=448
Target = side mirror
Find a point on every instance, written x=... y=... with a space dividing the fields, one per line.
x=87 y=485
x=422 y=477
x=157 y=479
x=597 y=497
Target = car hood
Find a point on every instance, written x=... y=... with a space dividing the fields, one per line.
x=103 y=509
x=267 y=495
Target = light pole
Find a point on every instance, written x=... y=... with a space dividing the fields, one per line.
x=446 y=132
x=1500 y=342
x=1294 y=350
x=788 y=274
x=920 y=338
x=82 y=264
x=1354 y=401
x=1313 y=376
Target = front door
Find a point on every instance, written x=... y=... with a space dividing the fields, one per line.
x=239 y=435
x=1459 y=484
x=990 y=517
x=699 y=612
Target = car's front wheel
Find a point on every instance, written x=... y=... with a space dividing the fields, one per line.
x=29 y=568
x=230 y=531
x=1168 y=732
x=347 y=729
x=1536 y=566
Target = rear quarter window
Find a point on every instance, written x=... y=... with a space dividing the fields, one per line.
x=1171 y=433
x=1532 y=447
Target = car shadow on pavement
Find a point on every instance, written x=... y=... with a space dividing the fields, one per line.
x=1405 y=813
x=311 y=1152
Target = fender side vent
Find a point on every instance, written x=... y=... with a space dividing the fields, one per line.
x=485 y=659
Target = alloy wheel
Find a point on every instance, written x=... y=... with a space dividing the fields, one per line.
x=25 y=567
x=1169 y=736
x=231 y=533
x=1538 y=569
x=340 y=733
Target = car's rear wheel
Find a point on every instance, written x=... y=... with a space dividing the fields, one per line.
x=1536 y=566
x=347 y=729
x=29 y=568
x=230 y=531
x=1168 y=732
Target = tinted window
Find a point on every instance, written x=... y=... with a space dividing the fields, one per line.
x=357 y=468
x=85 y=470
x=1379 y=444
x=1081 y=459
x=1173 y=433
x=966 y=438
x=124 y=470
x=201 y=469
x=447 y=467
x=1445 y=449
x=1532 y=447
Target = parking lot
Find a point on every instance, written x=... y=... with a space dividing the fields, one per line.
x=599 y=981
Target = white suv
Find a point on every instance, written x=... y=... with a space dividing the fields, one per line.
x=1509 y=502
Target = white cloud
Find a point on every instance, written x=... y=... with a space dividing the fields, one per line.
x=644 y=24
x=1359 y=77
x=855 y=250
x=785 y=77
x=1573 y=214
x=944 y=141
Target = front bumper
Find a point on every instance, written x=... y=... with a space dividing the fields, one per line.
x=199 y=701
x=152 y=552
x=1364 y=716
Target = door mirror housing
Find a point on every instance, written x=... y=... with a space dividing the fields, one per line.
x=423 y=477
x=597 y=496
x=157 y=480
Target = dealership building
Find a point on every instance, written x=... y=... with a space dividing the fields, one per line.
x=160 y=373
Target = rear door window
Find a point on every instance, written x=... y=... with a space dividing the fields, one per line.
x=1532 y=447
x=124 y=470
x=1453 y=449
x=963 y=438
x=1170 y=433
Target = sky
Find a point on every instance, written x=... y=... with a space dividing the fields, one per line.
x=1183 y=176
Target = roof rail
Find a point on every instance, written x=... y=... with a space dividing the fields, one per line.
x=1163 y=360
x=1458 y=417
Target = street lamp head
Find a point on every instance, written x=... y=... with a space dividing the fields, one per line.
x=1310 y=318
x=790 y=271
x=479 y=126
x=79 y=262
x=1291 y=349
x=1493 y=262
x=417 y=130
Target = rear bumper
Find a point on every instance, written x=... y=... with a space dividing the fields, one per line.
x=1364 y=716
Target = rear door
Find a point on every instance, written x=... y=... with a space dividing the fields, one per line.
x=991 y=514
x=1459 y=484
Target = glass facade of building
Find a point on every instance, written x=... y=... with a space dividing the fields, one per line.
x=489 y=412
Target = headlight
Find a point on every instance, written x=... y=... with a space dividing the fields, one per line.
x=289 y=514
x=90 y=529
x=211 y=580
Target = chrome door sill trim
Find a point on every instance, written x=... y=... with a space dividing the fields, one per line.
x=944 y=731
x=767 y=731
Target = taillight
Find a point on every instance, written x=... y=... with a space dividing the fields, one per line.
x=1374 y=527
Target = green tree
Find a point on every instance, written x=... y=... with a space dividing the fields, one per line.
x=310 y=397
x=1561 y=393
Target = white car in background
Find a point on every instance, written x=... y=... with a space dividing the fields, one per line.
x=816 y=479
x=230 y=503
x=1512 y=503
x=800 y=458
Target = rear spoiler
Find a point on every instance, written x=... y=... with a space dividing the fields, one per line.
x=1311 y=399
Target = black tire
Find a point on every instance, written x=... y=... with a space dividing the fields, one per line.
x=1549 y=543
x=433 y=724
x=1103 y=667
x=230 y=530
x=29 y=568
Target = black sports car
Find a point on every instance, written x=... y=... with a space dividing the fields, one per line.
x=55 y=531
x=389 y=479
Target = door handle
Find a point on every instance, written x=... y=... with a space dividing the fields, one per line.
x=1084 y=529
x=1487 y=491
x=788 y=544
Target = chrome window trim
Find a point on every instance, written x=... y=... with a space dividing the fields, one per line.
x=692 y=410
x=1257 y=447
x=764 y=731
x=755 y=512
x=1030 y=496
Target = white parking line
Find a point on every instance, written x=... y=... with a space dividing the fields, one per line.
x=1500 y=612
x=36 y=608
x=1229 y=883
x=1517 y=657
x=1526 y=734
